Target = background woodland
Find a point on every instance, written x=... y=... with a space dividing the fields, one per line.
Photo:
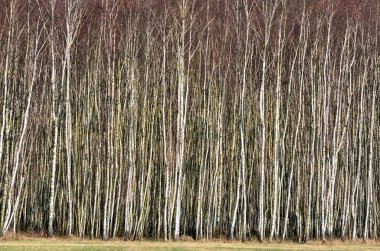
x=245 y=119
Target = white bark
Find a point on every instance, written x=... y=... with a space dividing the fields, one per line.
x=181 y=118
x=11 y=207
x=55 y=118
x=367 y=224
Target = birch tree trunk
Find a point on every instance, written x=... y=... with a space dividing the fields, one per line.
x=181 y=116
x=370 y=166
x=73 y=16
x=12 y=206
x=277 y=146
x=55 y=118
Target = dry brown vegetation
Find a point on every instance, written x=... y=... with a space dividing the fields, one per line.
x=74 y=243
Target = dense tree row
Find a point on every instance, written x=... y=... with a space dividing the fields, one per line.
x=159 y=119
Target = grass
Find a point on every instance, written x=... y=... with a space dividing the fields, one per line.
x=42 y=244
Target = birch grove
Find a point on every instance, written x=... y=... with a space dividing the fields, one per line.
x=244 y=119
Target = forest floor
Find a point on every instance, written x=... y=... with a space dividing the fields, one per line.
x=41 y=244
